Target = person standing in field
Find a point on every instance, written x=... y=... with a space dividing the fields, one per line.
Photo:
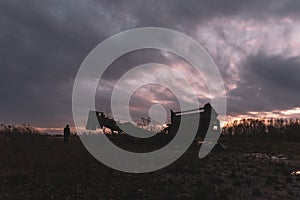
x=66 y=134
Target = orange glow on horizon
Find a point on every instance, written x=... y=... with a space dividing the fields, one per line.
x=284 y=114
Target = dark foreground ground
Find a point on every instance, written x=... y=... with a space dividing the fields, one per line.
x=41 y=167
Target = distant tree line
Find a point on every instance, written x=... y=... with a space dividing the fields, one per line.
x=273 y=127
x=25 y=129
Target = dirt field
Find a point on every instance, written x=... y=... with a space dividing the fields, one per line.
x=42 y=167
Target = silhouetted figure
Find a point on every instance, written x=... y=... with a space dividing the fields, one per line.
x=66 y=134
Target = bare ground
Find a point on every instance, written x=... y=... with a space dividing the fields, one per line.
x=42 y=167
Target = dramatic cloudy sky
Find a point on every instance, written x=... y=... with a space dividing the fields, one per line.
x=255 y=44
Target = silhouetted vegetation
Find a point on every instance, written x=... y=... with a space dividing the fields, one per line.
x=25 y=129
x=286 y=128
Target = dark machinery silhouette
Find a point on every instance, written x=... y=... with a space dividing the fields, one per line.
x=100 y=120
x=208 y=121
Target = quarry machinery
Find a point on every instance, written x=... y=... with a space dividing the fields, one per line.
x=208 y=121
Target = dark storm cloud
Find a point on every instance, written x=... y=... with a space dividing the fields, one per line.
x=130 y=60
x=42 y=46
x=267 y=83
x=185 y=15
x=44 y=42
